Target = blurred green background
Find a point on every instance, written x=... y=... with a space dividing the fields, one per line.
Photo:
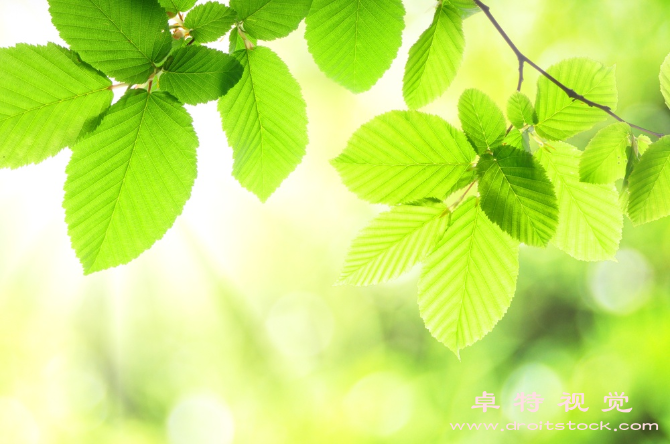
x=230 y=331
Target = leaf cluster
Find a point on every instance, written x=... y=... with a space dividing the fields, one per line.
x=463 y=200
x=134 y=160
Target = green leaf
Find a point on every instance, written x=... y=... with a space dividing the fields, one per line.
x=482 y=120
x=196 y=74
x=520 y=111
x=559 y=116
x=124 y=38
x=177 y=5
x=48 y=99
x=271 y=19
x=605 y=158
x=210 y=21
x=518 y=196
x=435 y=58
x=590 y=220
x=129 y=179
x=517 y=139
x=265 y=119
x=650 y=184
x=467 y=179
x=665 y=80
x=394 y=242
x=643 y=143
x=178 y=44
x=466 y=8
x=404 y=156
x=354 y=41
x=468 y=282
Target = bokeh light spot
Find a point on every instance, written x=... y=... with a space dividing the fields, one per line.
x=201 y=419
x=621 y=287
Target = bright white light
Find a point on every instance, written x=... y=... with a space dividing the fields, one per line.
x=622 y=287
x=201 y=419
x=529 y=378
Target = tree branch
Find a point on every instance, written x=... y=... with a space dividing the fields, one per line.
x=570 y=92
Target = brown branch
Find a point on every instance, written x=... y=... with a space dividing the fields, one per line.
x=570 y=92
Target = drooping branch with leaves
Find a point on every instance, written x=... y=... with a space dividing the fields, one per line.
x=462 y=200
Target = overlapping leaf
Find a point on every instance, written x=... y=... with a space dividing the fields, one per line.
x=435 y=58
x=404 y=156
x=520 y=111
x=665 y=80
x=210 y=21
x=468 y=282
x=129 y=179
x=196 y=74
x=590 y=220
x=265 y=119
x=48 y=99
x=355 y=41
x=394 y=242
x=123 y=38
x=236 y=42
x=643 y=143
x=518 y=196
x=517 y=139
x=649 y=184
x=605 y=159
x=482 y=120
x=177 y=5
x=271 y=19
x=561 y=117
x=466 y=8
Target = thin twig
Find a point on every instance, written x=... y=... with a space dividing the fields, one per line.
x=457 y=203
x=570 y=92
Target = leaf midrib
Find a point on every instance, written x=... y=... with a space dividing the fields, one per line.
x=57 y=102
x=257 y=10
x=516 y=196
x=260 y=120
x=128 y=39
x=358 y=8
x=433 y=27
x=123 y=181
x=467 y=273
